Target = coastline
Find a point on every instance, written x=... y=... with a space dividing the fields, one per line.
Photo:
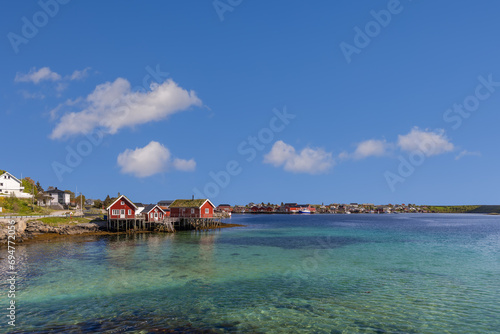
x=36 y=231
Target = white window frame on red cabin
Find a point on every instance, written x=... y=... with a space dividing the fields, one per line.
x=192 y=211
x=207 y=211
x=122 y=203
x=115 y=212
x=129 y=212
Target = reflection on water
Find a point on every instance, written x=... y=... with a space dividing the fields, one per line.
x=280 y=274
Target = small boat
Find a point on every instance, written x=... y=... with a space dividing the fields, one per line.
x=305 y=211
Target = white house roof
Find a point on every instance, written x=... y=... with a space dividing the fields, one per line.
x=12 y=176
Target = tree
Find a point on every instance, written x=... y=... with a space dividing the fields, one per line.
x=98 y=204
x=107 y=201
x=39 y=187
x=80 y=199
x=29 y=186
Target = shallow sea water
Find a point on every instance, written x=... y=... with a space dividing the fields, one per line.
x=406 y=273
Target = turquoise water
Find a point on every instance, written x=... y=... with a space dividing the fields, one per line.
x=406 y=273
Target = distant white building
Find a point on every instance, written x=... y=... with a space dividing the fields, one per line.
x=58 y=196
x=11 y=185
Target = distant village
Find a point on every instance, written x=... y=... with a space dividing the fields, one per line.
x=330 y=208
x=58 y=199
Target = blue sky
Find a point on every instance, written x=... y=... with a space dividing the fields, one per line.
x=239 y=101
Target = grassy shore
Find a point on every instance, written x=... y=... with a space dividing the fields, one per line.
x=58 y=221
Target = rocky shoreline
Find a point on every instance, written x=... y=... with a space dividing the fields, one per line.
x=28 y=230
x=37 y=230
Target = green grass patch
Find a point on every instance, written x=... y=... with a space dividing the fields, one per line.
x=21 y=206
x=56 y=221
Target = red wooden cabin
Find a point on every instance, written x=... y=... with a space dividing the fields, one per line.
x=192 y=208
x=121 y=208
x=224 y=208
x=153 y=213
x=166 y=209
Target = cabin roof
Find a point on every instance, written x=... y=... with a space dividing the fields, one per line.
x=165 y=202
x=119 y=198
x=151 y=207
x=190 y=203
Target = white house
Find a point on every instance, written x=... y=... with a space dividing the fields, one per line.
x=140 y=208
x=11 y=185
x=58 y=196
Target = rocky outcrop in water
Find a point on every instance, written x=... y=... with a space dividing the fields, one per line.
x=27 y=230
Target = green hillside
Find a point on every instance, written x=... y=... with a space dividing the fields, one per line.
x=486 y=209
x=452 y=208
x=20 y=206
x=464 y=208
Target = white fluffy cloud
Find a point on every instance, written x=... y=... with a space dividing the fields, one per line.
x=151 y=159
x=113 y=105
x=368 y=148
x=46 y=74
x=36 y=76
x=428 y=142
x=184 y=165
x=309 y=160
x=78 y=75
